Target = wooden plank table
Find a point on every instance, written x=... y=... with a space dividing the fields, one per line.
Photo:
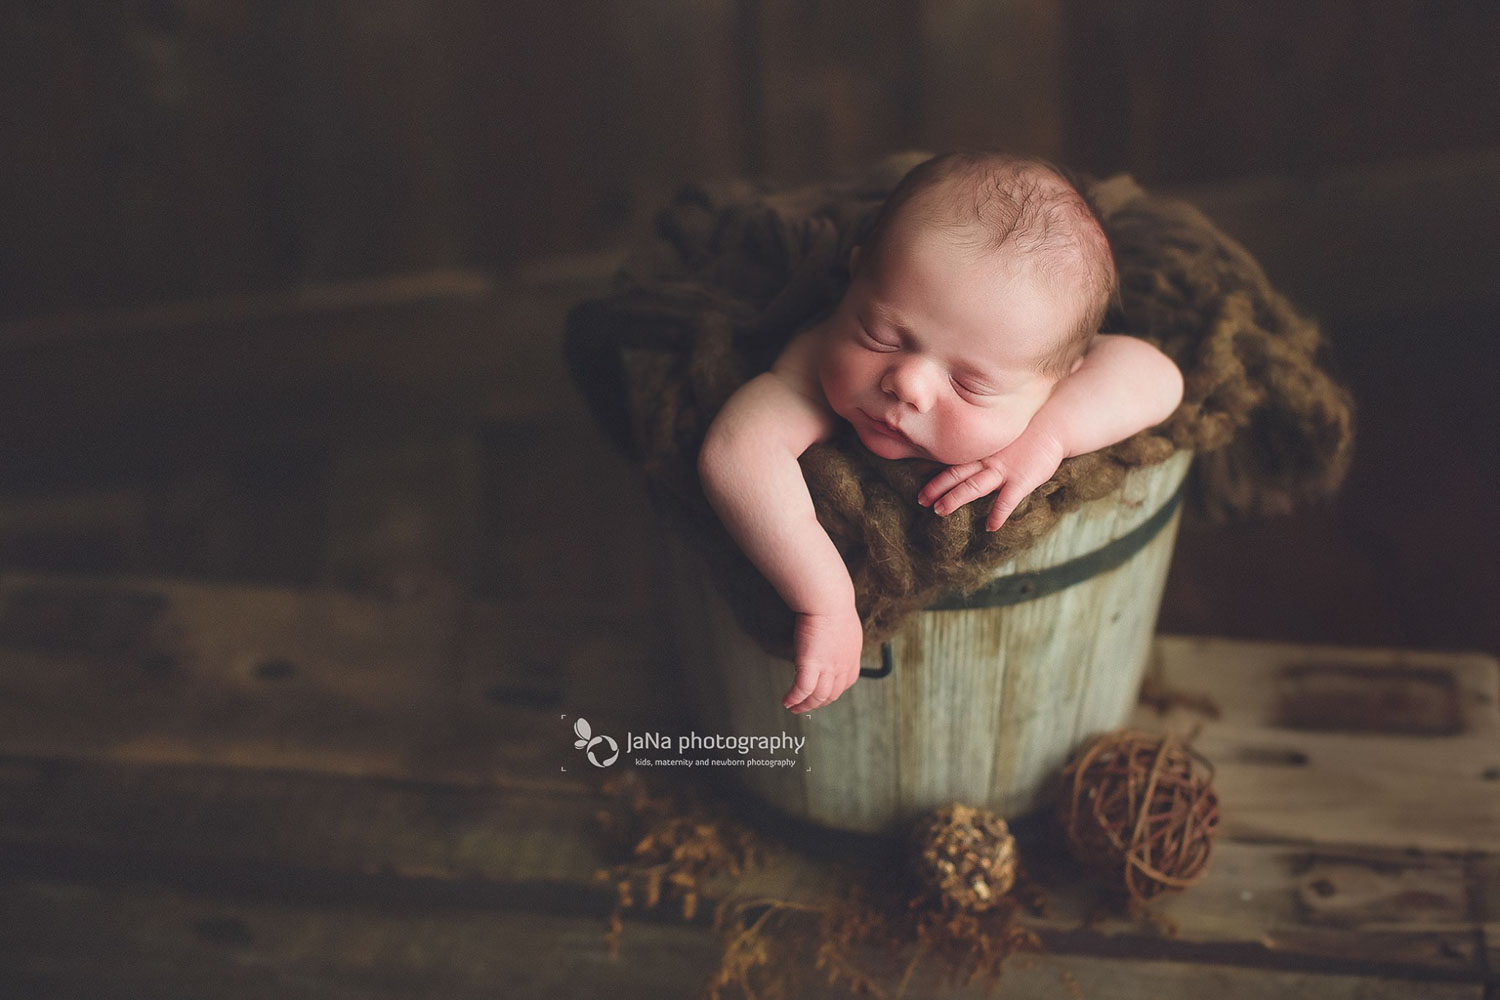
x=225 y=791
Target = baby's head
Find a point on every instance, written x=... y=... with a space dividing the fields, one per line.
x=979 y=287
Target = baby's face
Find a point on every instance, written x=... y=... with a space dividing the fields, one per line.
x=934 y=354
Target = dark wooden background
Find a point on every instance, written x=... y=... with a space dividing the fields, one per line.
x=282 y=281
x=169 y=149
x=306 y=542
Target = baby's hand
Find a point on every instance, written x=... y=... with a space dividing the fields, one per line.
x=1015 y=470
x=828 y=648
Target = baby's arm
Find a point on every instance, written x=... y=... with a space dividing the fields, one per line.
x=748 y=466
x=1123 y=385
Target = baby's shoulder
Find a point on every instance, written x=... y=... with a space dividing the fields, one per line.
x=797 y=363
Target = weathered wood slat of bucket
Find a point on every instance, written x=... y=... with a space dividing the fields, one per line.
x=982 y=704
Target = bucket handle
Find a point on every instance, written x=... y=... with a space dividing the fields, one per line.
x=887 y=663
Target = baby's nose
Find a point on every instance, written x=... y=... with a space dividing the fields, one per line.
x=912 y=382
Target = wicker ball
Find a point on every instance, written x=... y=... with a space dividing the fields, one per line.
x=1139 y=811
x=966 y=857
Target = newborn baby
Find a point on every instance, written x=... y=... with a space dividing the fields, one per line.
x=967 y=337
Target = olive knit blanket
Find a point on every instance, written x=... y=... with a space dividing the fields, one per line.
x=734 y=269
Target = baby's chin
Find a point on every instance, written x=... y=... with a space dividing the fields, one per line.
x=888 y=447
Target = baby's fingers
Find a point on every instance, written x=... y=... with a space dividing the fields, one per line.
x=802 y=687
x=982 y=482
x=945 y=481
x=822 y=694
x=1010 y=496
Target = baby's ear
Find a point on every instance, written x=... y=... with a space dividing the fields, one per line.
x=853 y=260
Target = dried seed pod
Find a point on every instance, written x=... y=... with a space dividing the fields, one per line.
x=966 y=857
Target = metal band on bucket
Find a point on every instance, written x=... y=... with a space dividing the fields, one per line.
x=1018 y=588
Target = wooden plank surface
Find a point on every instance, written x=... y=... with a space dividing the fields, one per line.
x=1270 y=905
x=133 y=939
x=1264 y=906
x=210 y=818
x=1342 y=746
x=182 y=672
x=196 y=750
x=141 y=939
x=1486 y=875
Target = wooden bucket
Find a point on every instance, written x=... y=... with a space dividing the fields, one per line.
x=976 y=700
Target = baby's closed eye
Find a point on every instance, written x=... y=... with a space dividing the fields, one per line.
x=971 y=386
x=881 y=342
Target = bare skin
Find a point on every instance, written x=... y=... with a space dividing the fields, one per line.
x=931 y=354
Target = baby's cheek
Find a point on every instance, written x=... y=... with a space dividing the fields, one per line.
x=976 y=435
x=951 y=443
x=841 y=378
